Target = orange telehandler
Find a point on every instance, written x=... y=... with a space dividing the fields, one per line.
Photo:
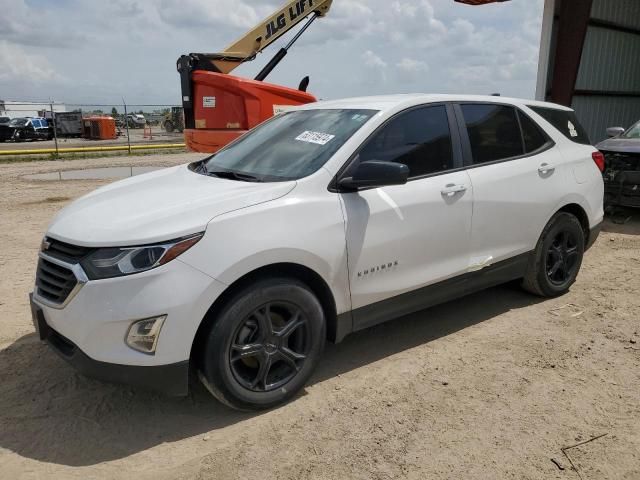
x=219 y=107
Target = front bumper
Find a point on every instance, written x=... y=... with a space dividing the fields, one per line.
x=89 y=329
x=172 y=380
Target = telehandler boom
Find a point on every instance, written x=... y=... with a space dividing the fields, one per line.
x=219 y=107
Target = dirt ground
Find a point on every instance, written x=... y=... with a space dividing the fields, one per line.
x=490 y=387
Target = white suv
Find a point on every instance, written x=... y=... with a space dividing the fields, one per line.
x=320 y=222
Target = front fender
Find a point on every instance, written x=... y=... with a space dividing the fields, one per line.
x=306 y=231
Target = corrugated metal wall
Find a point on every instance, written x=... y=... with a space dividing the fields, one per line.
x=610 y=64
x=610 y=61
x=625 y=13
x=599 y=113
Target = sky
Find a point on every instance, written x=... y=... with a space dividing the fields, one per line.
x=99 y=51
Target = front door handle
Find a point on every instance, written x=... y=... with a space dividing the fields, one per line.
x=451 y=189
x=546 y=168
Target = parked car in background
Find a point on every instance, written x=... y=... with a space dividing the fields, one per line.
x=359 y=211
x=5 y=120
x=136 y=120
x=23 y=129
x=622 y=166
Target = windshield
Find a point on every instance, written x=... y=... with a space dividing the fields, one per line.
x=290 y=146
x=633 y=132
x=19 y=122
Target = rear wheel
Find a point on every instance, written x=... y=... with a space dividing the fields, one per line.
x=558 y=256
x=168 y=126
x=264 y=345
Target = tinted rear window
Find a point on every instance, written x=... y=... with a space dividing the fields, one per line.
x=566 y=122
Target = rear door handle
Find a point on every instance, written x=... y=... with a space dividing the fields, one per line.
x=451 y=189
x=546 y=168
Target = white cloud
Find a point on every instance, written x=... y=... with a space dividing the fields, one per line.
x=21 y=67
x=410 y=65
x=20 y=24
x=372 y=60
x=210 y=14
x=116 y=48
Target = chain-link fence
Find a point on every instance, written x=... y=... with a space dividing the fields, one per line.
x=55 y=128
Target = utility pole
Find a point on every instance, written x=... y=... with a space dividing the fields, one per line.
x=55 y=126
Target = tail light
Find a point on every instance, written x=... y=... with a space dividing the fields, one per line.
x=598 y=157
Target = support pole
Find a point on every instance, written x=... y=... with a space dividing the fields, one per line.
x=126 y=123
x=55 y=127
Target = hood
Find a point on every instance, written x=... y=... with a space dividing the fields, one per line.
x=618 y=144
x=158 y=206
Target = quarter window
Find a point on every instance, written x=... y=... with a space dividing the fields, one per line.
x=566 y=122
x=419 y=138
x=494 y=132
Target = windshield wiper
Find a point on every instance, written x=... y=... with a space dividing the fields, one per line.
x=231 y=175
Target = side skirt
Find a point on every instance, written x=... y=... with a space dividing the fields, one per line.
x=429 y=296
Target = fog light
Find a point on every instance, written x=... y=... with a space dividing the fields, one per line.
x=143 y=334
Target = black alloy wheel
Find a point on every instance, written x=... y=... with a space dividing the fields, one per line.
x=263 y=344
x=562 y=258
x=270 y=347
x=554 y=265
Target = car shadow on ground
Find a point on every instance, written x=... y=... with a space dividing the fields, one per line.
x=51 y=414
x=622 y=220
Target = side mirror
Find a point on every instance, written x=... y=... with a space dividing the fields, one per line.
x=376 y=173
x=615 y=131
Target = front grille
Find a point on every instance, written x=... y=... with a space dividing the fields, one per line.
x=54 y=282
x=65 y=251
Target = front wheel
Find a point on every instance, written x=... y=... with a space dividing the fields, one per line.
x=264 y=345
x=555 y=264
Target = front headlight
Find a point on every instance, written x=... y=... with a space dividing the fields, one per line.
x=117 y=262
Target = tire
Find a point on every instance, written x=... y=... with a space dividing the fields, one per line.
x=264 y=345
x=17 y=137
x=168 y=127
x=555 y=264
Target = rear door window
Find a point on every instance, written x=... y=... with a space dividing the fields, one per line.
x=566 y=122
x=419 y=139
x=494 y=132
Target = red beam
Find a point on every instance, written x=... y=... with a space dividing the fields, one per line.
x=572 y=30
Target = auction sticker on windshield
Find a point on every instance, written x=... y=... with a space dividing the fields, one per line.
x=315 y=137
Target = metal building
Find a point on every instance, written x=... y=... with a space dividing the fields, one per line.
x=590 y=60
x=13 y=109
